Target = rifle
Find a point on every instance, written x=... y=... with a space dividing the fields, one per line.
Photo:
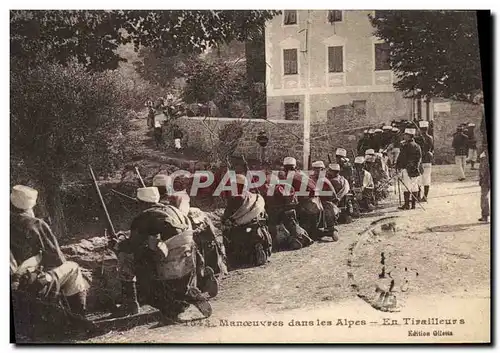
x=140 y=178
x=126 y=196
x=245 y=163
x=329 y=159
x=103 y=204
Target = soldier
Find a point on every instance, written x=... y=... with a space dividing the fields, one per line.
x=310 y=210
x=151 y=113
x=178 y=135
x=409 y=162
x=37 y=262
x=363 y=185
x=210 y=246
x=161 y=255
x=386 y=136
x=472 y=144
x=369 y=160
x=426 y=143
x=485 y=183
x=246 y=234
x=345 y=164
x=377 y=140
x=317 y=167
x=460 y=145
x=363 y=143
x=394 y=147
x=342 y=189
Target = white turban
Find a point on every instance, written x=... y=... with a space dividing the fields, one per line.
x=161 y=180
x=23 y=197
x=290 y=161
x=318 y=164
x=149 y=194
x=334 y=166
x=341 y=152
x=359 y=160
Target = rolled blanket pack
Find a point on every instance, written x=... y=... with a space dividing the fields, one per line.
x=253 y=206
x=180 y=260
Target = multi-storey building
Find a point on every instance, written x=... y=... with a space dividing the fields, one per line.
x=328 y=58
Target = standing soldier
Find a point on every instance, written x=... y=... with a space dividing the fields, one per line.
x=409 y=162
x=377 y=140
x=484 y=182
x=178 y=135
x=151 y=113
x=472 y=144
x=262 y=140
x=363 y=143
x=460 y=145
x=386 y=136
x=426 y=143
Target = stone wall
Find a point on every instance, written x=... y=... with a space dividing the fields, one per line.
x=445 y=124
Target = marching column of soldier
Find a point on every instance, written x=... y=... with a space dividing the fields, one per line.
x=172 y=257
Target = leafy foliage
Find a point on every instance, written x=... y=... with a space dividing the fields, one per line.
x=159 y=67
x=433 y=53
x=92 y=37
x=63 y=117
x=217 y=81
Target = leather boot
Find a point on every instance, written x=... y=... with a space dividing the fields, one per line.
x=130 y=304
x=414 y=199
x=78 y=303
x=406 y=205
x=426 y=193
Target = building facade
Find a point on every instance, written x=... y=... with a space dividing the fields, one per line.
x=333 y=56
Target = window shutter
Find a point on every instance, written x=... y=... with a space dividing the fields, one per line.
x=290 y=17
x=290 y=61
x=334 y=16
x=382 y=51
x=335 y=59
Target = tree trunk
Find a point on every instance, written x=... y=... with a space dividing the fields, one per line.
x=53 y=206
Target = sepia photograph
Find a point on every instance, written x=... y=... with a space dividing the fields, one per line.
x=250 y=176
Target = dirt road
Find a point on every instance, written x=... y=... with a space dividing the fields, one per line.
x=439 y=258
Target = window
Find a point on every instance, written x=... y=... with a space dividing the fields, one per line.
x=382 y=13
x=359 y=107
x=334 y=16
x=290 y=61
x=382 y=57
x=335 y=59
x=289 y=17
x=292 y=111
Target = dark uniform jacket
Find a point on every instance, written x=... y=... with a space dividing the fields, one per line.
x=426 y=143
x=460 y=144
x=30 y=236
x=363 y=145
x=484 y=171
x=346 y=169
x=410 y=158
x=472 y=141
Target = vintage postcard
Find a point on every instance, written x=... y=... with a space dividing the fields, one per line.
x=249 y=176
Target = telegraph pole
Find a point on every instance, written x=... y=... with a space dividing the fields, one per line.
x=307 y=102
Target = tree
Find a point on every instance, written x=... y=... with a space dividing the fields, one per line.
x=216 y=81
x=433 y=53
x=92 y=37
x=161 y=68
x=62 y=119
